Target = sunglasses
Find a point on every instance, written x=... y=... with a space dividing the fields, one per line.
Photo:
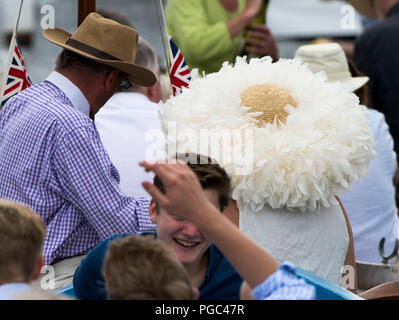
x=125 y=84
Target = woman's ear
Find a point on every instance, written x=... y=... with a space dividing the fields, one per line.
x=153 y=211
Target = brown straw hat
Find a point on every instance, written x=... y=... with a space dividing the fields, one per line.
x=105 y=41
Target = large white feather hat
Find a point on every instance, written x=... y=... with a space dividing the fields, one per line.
x=287 y=137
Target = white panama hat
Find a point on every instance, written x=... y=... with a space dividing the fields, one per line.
x=330 y=58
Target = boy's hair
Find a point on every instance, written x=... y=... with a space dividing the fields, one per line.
x=21 y=237
x=363 y=92
x=210 y=174
x=143 y=268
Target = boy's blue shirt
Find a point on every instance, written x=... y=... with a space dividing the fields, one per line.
x=221 y=281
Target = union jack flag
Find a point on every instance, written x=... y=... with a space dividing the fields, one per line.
x=15 y=78
x=179 y=72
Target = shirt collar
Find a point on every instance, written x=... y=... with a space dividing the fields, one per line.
x=136 y=99
x=9 y=290
x=394 y=10
x=136 y=95
x=72 y=92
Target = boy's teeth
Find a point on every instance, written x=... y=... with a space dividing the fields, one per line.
x=186 y=244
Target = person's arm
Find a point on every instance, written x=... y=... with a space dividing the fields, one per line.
x=199 y=40
x=85 y=177
x=241 y=21
x=184 y=197
x=350 y=253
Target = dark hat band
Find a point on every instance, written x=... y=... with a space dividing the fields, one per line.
x=90 y=50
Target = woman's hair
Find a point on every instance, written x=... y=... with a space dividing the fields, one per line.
x=362 y=92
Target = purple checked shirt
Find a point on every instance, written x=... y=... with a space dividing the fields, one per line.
x=52 y=160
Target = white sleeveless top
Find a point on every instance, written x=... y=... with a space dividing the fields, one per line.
x=314 y=241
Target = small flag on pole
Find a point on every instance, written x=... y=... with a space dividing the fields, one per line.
x=179 y=72
x=15 y=78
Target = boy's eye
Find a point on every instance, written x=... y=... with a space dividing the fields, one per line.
x=176 y=218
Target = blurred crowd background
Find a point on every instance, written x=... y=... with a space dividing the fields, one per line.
x=292 y=22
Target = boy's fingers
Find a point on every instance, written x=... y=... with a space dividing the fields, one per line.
x=159 y=168
x=146 y=165
x=155 y=193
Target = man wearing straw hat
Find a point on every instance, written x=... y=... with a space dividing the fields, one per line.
x=51 y=156
x=377 y=56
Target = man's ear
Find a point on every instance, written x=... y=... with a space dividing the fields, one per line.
x=154 y=92
x=150 y=93
x=110 y=79
x=153 y=211
x=38 y=268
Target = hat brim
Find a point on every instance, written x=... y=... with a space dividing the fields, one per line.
x=136 y=73
x=365 y=8
x=358 y=82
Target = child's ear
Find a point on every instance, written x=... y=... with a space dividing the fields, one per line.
x=38 y=268
x=153 y=211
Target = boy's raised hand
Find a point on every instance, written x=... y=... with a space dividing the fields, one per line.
x=183 y=196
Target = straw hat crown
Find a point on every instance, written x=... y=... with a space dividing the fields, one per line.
x=269 y=100
x=105 y=41
x=116 y=39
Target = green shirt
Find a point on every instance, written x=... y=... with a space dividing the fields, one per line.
x=199 y=29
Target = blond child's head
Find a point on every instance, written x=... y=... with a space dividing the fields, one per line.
x=143 y=268
x=21 y=236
